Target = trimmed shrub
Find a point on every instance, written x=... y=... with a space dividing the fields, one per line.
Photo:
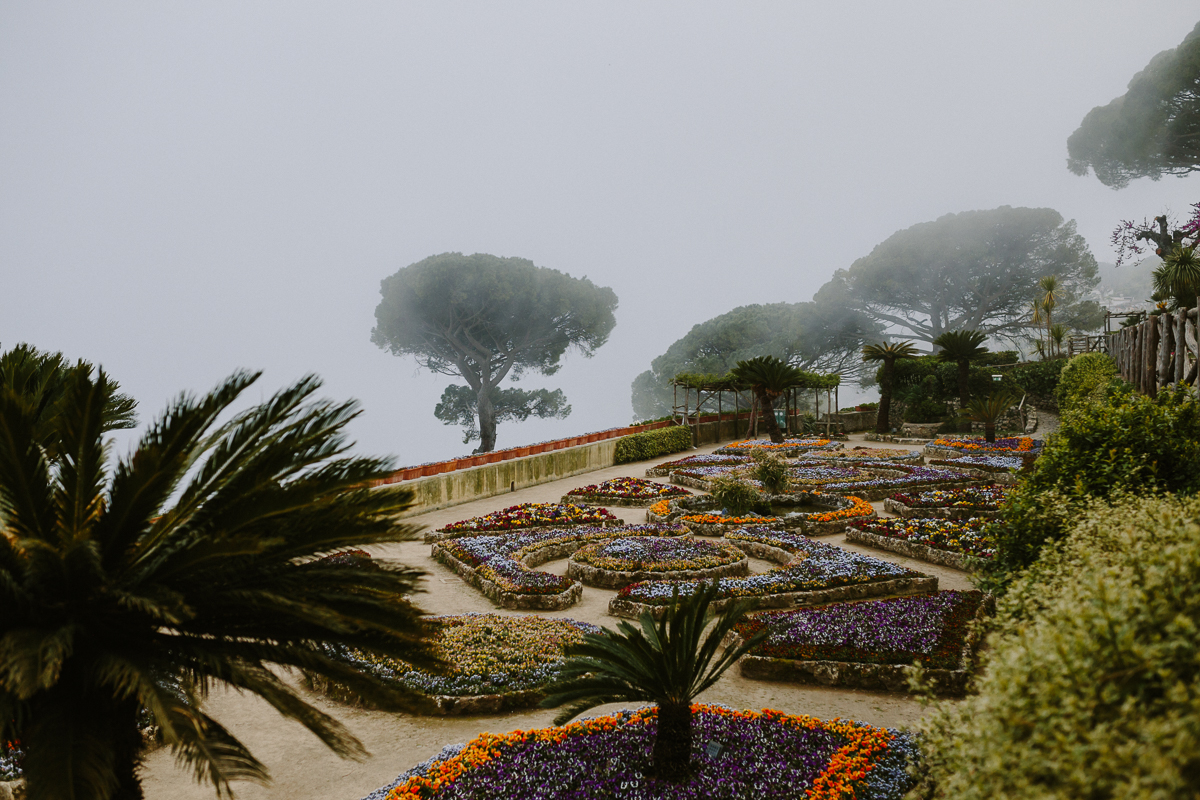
x=1083 y=378
x=736 y=496
x=770 y=470
x=1091 y=685
x=651 y=444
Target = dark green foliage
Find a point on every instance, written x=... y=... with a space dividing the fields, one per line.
x=460 y=406
x=768 y=378
x=889 y=354
x=483 y=317
x=1038 y=378
x=1091 y=686
x=961 y=348
x=814 y=337
x=989 y=410
x=668 y=663
x=652 y=444
x=41 y=380
x=131 y=589
x=976 y=270
x=1082 y=378
x=1150 y=131
x=734 y=495
x=1125 y=442
x=1178 y=277
x=771 y=470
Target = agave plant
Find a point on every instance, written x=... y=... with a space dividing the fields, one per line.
x=989 y=410
x=667 y=663
x=129 y=590
x=889 y=354
x=768 y=377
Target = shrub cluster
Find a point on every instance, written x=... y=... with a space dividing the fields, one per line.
x=1084 y=378
x=651 y=444
x=770 y=470
x=1092 y=687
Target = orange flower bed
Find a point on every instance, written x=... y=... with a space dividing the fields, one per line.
x=861 y=508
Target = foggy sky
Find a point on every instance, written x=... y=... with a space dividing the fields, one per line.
x=186 y=189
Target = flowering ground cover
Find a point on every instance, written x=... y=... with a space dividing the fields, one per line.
x=625 y=490
x=657 y=554
x=989 y=463
x=814 y=566
x=531 y=515
x=766 y=755
x=884 y=484
x=871 y=454
x=499 y=559
x=1008 y=444
x=930 y=629
x=808 y=474
x=975 y=498
x=11 y=756
x=691 y=462
x=488 y=653
x=786 y=447
x=969 y=537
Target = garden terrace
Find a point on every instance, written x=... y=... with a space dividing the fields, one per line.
x=496 y=662
x=960 y=503
x=810 y=573
x=691 y=462
x=767 y=755
x=501 y=566
x=789 y=447
x=814 y=513
x=950 y=542
x=523 y=517
x=634 y=492
x=616 y=563
x=871 y=644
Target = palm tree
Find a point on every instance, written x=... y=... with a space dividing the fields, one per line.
x=988 y=410
x=1178 y=277
x=667 y=663
x=961 y=348
x=1050 y=288
x=889 y=354
x=133 y=588
x=768 y=377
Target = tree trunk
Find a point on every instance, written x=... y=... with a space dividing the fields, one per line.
x=989 y=430
x=128 y=751
x=767 y=404
x=964 y=392
x=672 y=755
x=885 y=399
x=487 y=420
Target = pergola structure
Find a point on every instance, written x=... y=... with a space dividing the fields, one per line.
x=710 y=390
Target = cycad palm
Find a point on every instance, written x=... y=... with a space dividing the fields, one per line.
x=667 y=662
x=888 y=353
x=1178 y=277
x=961 y=348
x=988 y=410
x=768 y=377
x=188 y=562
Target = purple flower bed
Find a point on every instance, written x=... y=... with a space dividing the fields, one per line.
x=989 y=463
x=767 y=756
x=931 y=629
x=914 y=476
x=823 y=566
x=497 y=558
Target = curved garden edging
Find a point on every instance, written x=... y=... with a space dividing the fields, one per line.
x=953 y=512
x=922 y=552
x=506 y=599
x=617 y=579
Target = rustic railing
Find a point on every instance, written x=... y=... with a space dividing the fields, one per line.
x=1161 y=351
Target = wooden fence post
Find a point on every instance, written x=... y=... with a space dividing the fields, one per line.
x=1166 y=341
x=1150 y=363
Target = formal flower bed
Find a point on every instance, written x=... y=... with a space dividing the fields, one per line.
x=767 y=755
x=806 y=474
x=692 y=462
x=624 y=491
x=11 y=756
x=986 y=463
x=726 y=520
x=1008 y=444
x=489 y=655
x=657 y=554
x=968 y=537
x=787 y=447
x=811 y=566
x=528 y=515
x=816 y=513
x=500 y=565
x=930 y=629
x=896 y=476
x=872 y=454
x=976 y=498
x=659 y=511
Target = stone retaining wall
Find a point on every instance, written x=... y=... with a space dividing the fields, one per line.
x=915 y=584
x=911 y=549
x=901 y=510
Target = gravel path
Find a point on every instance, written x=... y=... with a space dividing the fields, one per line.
x=303 y=769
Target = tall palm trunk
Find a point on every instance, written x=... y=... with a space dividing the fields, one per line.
x=672 y=755
x=882 y=423
x=767 y=403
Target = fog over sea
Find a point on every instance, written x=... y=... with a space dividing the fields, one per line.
x=190 y=189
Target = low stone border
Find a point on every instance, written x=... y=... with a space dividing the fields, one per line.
x=719 y=529
x=914 y=584
x=615 y=579
x=870 y=493
x=451 y=705
x=798 y=523
x=1006 y=477
x=916 y=550
x=432 y=537
x=512 y=600
x=952 y=512
x=12 y=790
x=878 y=677
x=601 y=500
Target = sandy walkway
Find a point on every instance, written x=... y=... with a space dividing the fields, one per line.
x=303 y=769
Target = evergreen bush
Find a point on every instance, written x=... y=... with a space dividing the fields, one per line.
x=651 y=444
x=770 y=470
x=1092 y=682
x=1083 y=377
x=735 y=496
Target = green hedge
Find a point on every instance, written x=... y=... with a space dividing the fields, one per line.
x=1083 y=377
x=651 y=444
x=1091 y=685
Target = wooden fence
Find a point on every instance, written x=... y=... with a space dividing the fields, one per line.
x=1161 y=351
